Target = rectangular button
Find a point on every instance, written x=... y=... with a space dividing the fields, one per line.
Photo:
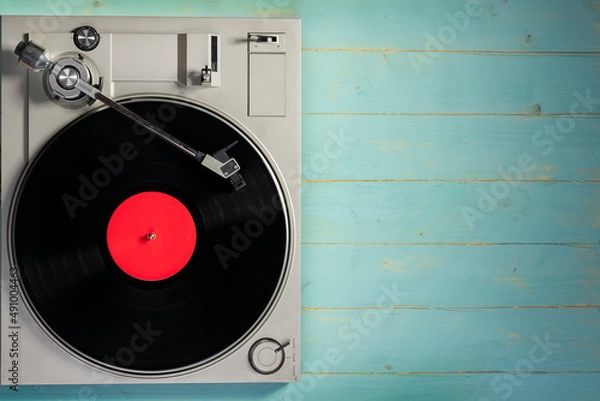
x=266 y=85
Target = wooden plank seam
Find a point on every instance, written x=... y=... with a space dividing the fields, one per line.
x=354 y=331
x=333 y=149
x=448 y=34
x=513 y=175
x=503 y=384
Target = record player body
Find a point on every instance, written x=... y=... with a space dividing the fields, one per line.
x=131 y=257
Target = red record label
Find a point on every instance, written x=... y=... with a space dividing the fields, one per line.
x=151 y=236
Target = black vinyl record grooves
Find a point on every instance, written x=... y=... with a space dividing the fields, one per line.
x=93 y=308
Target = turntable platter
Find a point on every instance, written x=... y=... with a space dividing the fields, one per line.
x=75 y=281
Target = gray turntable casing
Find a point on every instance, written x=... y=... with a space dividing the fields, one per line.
x=245 y=69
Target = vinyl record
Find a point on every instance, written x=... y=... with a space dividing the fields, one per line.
x=170 y=300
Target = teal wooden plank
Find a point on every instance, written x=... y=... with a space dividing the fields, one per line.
x=425 y=276
x=372 y=340
x=533 y=25
x=455 y=83
x=442 y=24
x=450 y=212
x=358 y=147
x=460 y=387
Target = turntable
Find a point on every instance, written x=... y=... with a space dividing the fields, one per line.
x=151 y=201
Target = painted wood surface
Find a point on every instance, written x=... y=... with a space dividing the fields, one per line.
x=482 y=340
x=407 y=212
x=451 y=199
x=451 y=276
x=448 y=148
x=450 y=83
x=499 y=25
x=464 y=386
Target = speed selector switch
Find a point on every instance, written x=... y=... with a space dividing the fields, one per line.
x=267 y=355
x=86 y=38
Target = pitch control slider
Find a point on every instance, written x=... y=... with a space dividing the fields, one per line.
x=37 y=59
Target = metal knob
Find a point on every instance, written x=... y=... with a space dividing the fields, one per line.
x=33 y=56
x=68 y=77
x=86 y=38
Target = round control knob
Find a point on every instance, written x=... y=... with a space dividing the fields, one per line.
x=86 y=38
x=68 y=77
x=266 y=356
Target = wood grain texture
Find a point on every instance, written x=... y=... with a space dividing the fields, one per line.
x=450 y=276
x=451 y=83
x=448 y=148
x=441 y=212
x=450 y=341
x=340 y=387
x=516 y=25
